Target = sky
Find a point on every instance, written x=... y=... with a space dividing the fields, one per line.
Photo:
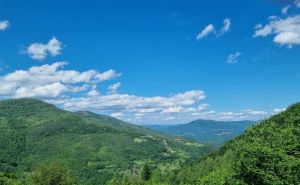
x=153 y=62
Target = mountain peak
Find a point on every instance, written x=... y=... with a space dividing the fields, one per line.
x=24 y=101
x=25 y=107
x=210 y=120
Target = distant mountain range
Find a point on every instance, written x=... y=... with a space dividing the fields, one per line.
x=266 y=154
x=208 y=131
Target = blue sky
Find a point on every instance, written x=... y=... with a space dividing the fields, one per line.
x=150 y=63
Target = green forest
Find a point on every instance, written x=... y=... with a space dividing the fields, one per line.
x=266 y=154
x=43 y=145
x=37 y=138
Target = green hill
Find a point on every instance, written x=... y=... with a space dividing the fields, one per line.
x=208 y=131
x=94 y=147
x=266 y=154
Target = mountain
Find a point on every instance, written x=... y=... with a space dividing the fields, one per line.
x=158 y=127
x=209 y=131
x=94 y=147
x=268 y=153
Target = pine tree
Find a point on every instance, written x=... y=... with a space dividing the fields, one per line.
x=146 y=173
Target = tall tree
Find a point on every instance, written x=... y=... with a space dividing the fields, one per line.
x=146 y=173
x=53 y=174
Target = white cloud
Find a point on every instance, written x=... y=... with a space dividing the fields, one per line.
x=242 y=115
x=40 y=51
x=117 y=115
x=272 y=17
x=125 y=102
x=233 y=58
x=178 y=108
x=255 y=112
x=107 y=75
x=112 y=89
x=206 y=31
x=202 y=107
x=175 y=109
x=77 y=90
x=286 y=31
x=49 y=90
x=4 y=25
x=276 y=111
x=135 y=107
x=285 y=9
x=226 y=26
x=47 y=81
x=210 y=29
x=93 y=93
x=54 y=46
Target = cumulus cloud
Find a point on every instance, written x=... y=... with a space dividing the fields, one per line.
x=286 y=31
x=234 y=116
x=177 y=108
x=112 y=89
x=48 y=81
x=206 y=31
x=117 y=115
x=4 y=25
x=233 y=58
x=126 y=102
x=77 y=90
x=137 y=107
x=93 y=93
x=276 y=111
x=255 y=112
x=202 y=107
x=40 y=51
x=242 y=115
x=272 y=17
x=107 y=75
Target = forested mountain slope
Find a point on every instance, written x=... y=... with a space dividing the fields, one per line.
x=94 y=147
x=266 y=154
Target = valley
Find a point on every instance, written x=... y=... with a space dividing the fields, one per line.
x=211 y=132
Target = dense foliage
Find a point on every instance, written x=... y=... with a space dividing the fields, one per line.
x=40 y=144
x=266 y=154
x=94 y=148
x=50 y=174
x=208 y=131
